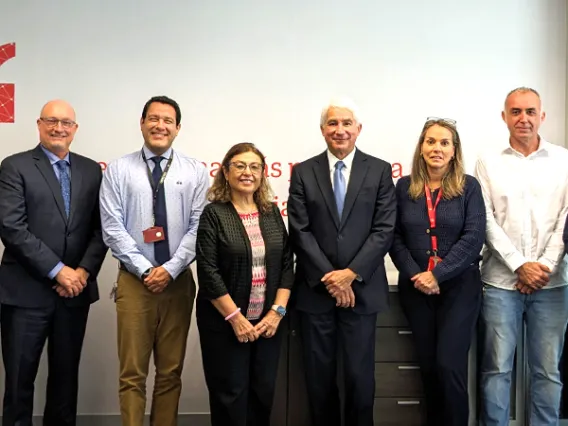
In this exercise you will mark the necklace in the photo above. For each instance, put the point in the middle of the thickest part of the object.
(247, 212)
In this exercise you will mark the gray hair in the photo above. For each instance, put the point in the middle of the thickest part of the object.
(342, 102)
(523, 89)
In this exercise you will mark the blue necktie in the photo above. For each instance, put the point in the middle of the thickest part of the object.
(65, 184)
(339, 186)
(161, 248)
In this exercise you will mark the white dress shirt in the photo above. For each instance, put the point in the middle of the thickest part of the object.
(346, 171)
(526, 199)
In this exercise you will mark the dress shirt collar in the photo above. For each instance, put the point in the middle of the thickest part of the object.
(348, 161)
(149, 154)
(543, 149)
(52, 157)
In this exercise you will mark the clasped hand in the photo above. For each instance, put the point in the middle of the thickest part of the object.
(246, 332)
(532, 276)
(338, 284)
(426, 282)
(70, 282)
(157, 280)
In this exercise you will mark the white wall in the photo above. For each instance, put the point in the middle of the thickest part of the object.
(260, 70)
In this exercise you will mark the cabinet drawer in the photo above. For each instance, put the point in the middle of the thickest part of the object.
(393, 379)
(394, 344)
(393, 317)
(399, 412)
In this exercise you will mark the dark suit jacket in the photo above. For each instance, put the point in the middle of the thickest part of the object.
(359, 240)
(37, 234)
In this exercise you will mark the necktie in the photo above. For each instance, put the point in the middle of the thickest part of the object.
(339, 186)
(65, 184)
(161, 248)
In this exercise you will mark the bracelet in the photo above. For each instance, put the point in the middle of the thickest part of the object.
(228, 317)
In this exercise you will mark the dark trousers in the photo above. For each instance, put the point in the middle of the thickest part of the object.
(442, 326)
(240, 377)
(24, 333)
(323, 336)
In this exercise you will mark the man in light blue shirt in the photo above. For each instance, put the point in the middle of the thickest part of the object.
(151, 201)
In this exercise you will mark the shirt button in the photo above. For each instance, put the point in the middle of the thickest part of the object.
(428, 252)
(427, 231)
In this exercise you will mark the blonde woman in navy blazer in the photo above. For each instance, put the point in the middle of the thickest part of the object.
(439, 234)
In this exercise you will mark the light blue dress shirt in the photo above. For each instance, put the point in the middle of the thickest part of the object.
(52, 160)
(126, 209)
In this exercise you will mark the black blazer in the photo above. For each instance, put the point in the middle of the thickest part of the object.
(37, 234)
(359, 240)
(224, 256)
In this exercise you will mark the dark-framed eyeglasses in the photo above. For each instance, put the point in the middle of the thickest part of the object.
(449, 121)
(240, 166)
(53, 122)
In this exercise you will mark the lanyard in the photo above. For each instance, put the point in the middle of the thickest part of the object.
(432, 215)
(160, 182)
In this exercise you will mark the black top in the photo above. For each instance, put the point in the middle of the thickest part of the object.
(460, 229)
(224, 256)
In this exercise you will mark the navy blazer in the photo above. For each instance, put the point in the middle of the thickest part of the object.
(37, 234)
(565, 236)
(359, 240)
(460, 230)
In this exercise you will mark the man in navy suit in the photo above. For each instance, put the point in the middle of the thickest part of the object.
(51, 231)
(341, 213)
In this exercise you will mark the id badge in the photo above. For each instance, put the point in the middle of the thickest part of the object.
(433, 261)
(154, 234)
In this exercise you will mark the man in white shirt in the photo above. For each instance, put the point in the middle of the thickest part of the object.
(524, 270)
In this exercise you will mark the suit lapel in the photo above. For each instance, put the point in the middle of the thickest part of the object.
(76, 181)
(46, 169)
(356, 177)
(322, 173)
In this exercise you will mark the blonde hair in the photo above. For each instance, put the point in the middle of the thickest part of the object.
(454, 180)
(221, 190)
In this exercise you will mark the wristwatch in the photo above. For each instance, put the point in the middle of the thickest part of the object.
(280, 310)
(146, 273)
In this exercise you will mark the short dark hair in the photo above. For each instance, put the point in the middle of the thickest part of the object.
(162, 100)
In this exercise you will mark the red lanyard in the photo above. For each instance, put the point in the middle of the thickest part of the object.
(432, 215)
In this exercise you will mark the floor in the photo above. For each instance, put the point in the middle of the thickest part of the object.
(113, 420)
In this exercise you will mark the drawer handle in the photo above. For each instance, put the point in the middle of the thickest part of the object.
(403, 332)
(408, 367)
(408, 402)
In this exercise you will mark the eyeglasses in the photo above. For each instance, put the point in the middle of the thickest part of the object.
(53, 122)
(449, 121)
(255, 168)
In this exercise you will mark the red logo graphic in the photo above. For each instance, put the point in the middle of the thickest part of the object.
(7, 91)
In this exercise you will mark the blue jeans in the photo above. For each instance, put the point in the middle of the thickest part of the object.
(546, 315)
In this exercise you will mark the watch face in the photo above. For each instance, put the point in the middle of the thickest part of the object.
(281, 310)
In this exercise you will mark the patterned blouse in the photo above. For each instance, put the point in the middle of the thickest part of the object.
(258, 288)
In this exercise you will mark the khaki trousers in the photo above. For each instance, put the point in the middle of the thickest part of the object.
(152, 322)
